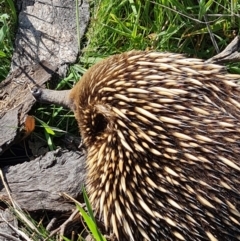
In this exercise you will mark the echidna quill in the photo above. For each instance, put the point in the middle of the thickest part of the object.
(162, 134)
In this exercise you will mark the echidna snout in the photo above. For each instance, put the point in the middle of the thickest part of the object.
(162, 134)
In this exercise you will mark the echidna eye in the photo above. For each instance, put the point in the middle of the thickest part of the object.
(100, 124)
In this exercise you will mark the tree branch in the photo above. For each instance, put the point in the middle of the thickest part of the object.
(229, 54)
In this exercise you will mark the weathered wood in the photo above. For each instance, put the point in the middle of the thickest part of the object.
(36, 185)
(6, 232)
(47, 31)
(230, 54)
(16, 100)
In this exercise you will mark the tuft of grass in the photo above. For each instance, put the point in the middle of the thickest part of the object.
(53, 122)
(186, 26)
(90, 219)
(8, 20)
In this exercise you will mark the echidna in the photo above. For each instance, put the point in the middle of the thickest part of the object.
(162, 134)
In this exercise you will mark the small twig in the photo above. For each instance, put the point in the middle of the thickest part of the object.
(19, 232)
(229, 54)
(211, 34)
(9, 237)
(14, 204)
(63, 226)
(180, 13)
(51, 224)
(74, 200)
(69, 220)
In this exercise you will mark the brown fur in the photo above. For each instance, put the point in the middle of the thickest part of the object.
(162, 134)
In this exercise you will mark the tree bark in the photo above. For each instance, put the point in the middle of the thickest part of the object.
(46, 43)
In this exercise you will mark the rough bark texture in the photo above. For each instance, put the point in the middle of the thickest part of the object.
(6, 232)
(37, 184)
(230, 54)
(16, 100)
(47, 31)
(46, 41)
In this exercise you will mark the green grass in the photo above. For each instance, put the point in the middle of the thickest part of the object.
(163, 25)
(90, 219)
(8, 20)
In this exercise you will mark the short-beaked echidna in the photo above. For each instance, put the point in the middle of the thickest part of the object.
(162, 134)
